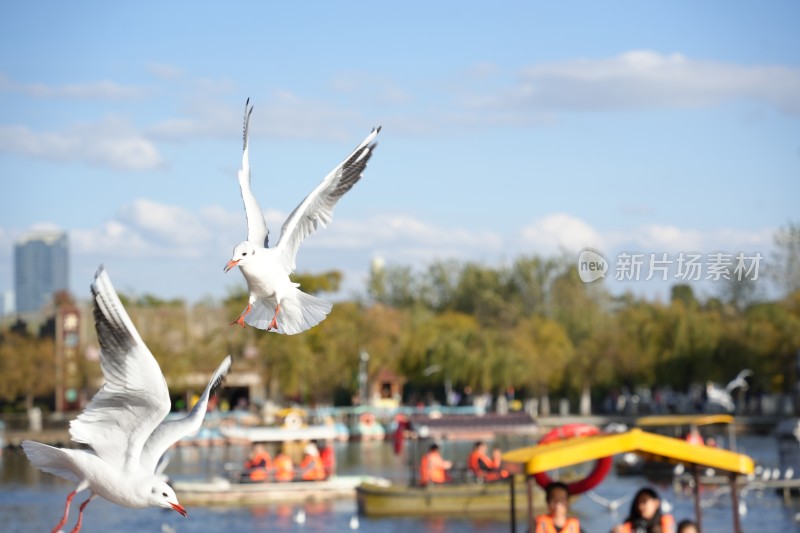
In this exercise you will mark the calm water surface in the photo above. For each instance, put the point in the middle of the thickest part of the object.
(31, 501)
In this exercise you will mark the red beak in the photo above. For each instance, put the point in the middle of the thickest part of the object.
(231, 264)
(178, 507)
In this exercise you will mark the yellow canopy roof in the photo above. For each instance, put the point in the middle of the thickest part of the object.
(684, 420)
(583, 449)
(286, 411)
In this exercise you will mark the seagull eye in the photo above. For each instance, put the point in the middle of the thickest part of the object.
(244, 253)
(164, 494)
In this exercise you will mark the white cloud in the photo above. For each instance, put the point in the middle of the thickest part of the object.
(98, 90)
(194, 244)
(282, 115)
(165, 224)
(560, 231)
(111, 142)
(166, 72)
(659, 238)
(643, 79)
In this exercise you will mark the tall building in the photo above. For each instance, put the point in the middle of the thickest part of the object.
(41, 268)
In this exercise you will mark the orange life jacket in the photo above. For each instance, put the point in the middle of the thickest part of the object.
(695, 438)
(667, 525)
(431, 469)
(284, 469)
(258, 466)
(545, 524)
(311, 468)
(474, 464)
(328, 460)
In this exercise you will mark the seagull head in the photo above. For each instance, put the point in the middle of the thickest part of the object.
(162, 495)
(243, 252)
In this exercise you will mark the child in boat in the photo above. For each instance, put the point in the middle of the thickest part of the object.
(646, 515)
(556, 520)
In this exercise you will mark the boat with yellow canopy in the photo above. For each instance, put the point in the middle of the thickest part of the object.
(706, 428)
(561, 454)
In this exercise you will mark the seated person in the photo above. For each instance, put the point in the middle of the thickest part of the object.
(646, 515)
(311, 468)
(283, 466)
(258, 464)
(328, 456)
(432, 468)
(556, 519)
(484, 467)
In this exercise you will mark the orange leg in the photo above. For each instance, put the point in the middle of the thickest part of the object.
(274, 323)
(240, 320)
(80, 515)
(66, 512)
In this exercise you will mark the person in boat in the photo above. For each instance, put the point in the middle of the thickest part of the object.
(257, 465)
(556, 519)
(485, 468)
(433, 468)
(283, 466)
(646, 515)
(694, 436)
(687, 526)
(328, 456)
(311, 468)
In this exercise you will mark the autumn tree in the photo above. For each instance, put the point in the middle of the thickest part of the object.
(27, 367)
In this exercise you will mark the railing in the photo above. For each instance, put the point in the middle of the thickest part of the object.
(21, 422)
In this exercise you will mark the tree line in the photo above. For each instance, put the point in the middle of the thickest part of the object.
(531, 325)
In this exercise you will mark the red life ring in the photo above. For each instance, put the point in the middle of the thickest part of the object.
(601, 467)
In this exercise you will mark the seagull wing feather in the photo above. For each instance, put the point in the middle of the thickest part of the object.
(257, 231)
(171, 431)
(134, 398)
(317, 208)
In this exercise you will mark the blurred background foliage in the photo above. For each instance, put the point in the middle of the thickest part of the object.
(531, 325)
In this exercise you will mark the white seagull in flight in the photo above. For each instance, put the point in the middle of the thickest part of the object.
(275, 302)
(124, 423)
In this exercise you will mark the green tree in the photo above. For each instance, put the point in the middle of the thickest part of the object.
(27, 367)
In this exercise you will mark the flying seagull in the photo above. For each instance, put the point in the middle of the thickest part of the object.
(124, 423)
(275, 302)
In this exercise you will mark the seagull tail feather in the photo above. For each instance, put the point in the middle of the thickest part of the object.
(49, 459)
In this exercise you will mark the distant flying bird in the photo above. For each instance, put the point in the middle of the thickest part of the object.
(611, 505)
(124, 423)
(275, 302)
(722, 397)
(739, 381)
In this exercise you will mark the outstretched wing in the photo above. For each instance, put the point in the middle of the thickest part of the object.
(257, 231)
(317, 208)
(171, 431)
(134, 398)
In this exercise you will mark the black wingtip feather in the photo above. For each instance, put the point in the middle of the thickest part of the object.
(228, 361)
(248, 110)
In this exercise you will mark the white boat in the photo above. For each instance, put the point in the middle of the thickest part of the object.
(279, 433)
(222, 491)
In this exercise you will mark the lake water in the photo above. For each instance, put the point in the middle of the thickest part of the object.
(31, 501)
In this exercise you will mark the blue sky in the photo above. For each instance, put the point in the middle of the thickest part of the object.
(517, 129)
